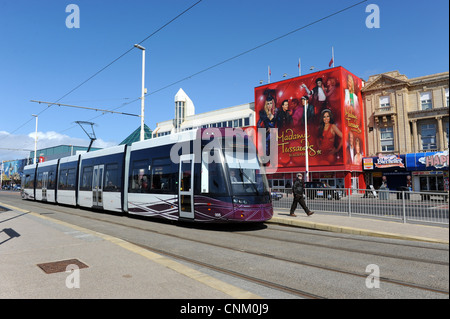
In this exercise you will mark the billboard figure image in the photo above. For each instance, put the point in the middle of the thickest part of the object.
(350, 147)
(357, 160)
(327, 137)
(284, 117)
(297, 113)
(267, 117)
(318, 93)
(310, 110)
(333, 97)
(351, 98)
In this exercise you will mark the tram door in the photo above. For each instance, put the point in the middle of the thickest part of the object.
(97, 186)
(186, 186)
(44, 185)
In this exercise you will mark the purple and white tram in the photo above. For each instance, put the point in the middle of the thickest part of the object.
(201, 175)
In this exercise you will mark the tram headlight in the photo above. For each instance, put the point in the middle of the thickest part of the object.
(240, 201)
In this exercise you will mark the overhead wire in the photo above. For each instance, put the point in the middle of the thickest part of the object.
(203, 70)
(235, 56)
(248, 51)
(109, 64)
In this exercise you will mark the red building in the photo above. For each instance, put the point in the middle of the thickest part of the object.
(329, 105)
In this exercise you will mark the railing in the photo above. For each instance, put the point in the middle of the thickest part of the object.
(405, 206)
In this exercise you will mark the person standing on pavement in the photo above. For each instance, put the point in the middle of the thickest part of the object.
(298, 189)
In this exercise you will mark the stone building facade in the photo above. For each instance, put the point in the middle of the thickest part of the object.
(407, 120)
(407, 115)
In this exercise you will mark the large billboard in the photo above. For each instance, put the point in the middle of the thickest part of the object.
(12, 169)
(329, 103)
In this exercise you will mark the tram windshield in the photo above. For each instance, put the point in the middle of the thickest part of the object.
(236, 157)
(246, 174)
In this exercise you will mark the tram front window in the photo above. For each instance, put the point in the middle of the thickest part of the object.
(246, 176)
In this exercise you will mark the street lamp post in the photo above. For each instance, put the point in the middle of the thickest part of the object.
(142, 90)
(35, 138)
(306, 143)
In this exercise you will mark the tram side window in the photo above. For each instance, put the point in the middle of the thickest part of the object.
(62, 179)
(51, 180)
(212, 176)
(71, 178)
(163, 176)
(112, 178)
(29, 181)
(39, 181)
(86, 179)
(67, 179)
(139, 179)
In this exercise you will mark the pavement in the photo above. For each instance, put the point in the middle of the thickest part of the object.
(88, 264)
(364, 226)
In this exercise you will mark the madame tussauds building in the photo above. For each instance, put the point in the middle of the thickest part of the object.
(317, 123)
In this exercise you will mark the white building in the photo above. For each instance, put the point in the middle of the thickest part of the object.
(185, 118)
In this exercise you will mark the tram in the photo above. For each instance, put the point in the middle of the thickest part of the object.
(201, 175)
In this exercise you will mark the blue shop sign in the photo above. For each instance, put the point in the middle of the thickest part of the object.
(429, 161)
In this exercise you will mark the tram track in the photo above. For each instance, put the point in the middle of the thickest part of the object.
(253, 279)
(235, 274)
(288, 229)
(358, 251)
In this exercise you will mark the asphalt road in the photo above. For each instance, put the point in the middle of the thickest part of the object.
(274, 261)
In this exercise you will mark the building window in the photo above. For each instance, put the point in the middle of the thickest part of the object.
(446, 97)
(387, 139)
(425, 101)
(428, 132)
(446, 132)
(385, 101)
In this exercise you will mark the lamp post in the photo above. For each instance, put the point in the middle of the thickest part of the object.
(305, 106)
(142, 90)
(35, 138)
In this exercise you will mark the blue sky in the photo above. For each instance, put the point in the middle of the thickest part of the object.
(42, 59)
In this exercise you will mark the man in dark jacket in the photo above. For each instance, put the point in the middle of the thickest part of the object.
(298, 189)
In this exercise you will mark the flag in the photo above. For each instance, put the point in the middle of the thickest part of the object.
(331, 62)
(269, 73)
(332, 58)
(299, 67)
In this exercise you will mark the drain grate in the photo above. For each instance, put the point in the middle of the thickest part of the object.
(4, 209)
(60, 266)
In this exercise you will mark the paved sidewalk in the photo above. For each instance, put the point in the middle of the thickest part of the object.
(363, 226)
(115, 268)
(118, 269)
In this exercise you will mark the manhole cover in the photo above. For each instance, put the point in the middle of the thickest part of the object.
(60, 266)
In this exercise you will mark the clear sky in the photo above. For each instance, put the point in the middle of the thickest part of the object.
(42, 59)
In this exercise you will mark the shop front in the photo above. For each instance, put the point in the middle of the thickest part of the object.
(429, 171)
(390, 167)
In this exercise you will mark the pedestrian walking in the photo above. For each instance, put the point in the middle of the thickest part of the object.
(298, 188)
